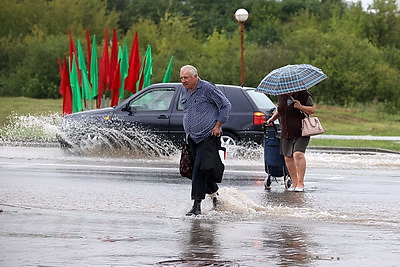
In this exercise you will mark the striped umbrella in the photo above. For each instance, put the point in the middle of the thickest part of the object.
(291, 78)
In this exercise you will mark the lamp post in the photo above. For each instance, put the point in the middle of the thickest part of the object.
(241, 16)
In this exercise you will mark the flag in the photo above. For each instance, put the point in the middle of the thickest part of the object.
(148, 68)
(139, 84)
(89, 53)
(104, 67)
(134, 66)
(76, 90)
(86, 94)
(167, 76)
(60, 66)
(114, 55)
(65, 89)
(72, 51)
(115, 86)
(94, 73)
(124, 68)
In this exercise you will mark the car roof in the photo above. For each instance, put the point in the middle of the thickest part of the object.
(219, 85)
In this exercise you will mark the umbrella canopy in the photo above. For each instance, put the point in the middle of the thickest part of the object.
(291, 78)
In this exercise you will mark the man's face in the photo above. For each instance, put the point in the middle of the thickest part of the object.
(188, 81)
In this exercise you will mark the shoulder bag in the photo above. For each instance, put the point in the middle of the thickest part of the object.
(311, 126)
(186, 161)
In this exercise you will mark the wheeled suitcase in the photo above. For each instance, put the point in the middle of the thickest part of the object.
(274, 162)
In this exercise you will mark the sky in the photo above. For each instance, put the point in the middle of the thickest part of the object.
(365, 3)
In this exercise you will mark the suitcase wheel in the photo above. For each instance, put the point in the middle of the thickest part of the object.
(267, 183)
(288, 182)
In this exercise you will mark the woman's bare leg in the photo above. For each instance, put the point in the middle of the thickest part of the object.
(291, 166)
(300, 163)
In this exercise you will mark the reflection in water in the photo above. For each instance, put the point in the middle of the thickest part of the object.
(200, 242)
(292, 246)
(290, 241)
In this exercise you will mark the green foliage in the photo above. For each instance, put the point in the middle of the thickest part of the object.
(383, 24)
(364, 144)
(219, 60)
(171, 37)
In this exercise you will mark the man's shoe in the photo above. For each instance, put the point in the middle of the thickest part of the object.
(299, 189)
(196, 210)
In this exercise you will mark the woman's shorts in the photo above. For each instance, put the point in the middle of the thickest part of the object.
(288, 146)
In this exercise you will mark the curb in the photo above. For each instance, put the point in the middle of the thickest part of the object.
(348, 150)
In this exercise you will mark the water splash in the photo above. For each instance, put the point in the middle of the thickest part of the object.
(234, 204)
(118, 139)
(234, 201)
(95, 139)
(30, 128)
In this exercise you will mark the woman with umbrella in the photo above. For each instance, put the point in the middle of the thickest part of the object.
(291, 83)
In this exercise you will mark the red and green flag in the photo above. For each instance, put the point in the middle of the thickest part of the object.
(115, 86)
(94, 69)
(114, 56)
(86, 92)
(65, 88)
(104, 71)
(134, 67)
(124, 65)
(167, 75)
(148, 68)
(72, 52)
(89, 52)
(75, 88)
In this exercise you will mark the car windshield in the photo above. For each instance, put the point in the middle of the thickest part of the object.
(262, 101)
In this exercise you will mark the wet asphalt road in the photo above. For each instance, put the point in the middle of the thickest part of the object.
(65, 210)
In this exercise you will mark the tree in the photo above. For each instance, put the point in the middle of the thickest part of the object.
(383, 24)
(171, 37)
(219, 60)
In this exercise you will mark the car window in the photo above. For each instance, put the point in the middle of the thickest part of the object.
(158, 99)
(262, 100)
(180, 105)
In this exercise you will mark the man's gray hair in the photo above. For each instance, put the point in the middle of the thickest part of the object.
(192, 70)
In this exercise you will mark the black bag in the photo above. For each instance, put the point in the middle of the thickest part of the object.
(186, 162)
(212, 165)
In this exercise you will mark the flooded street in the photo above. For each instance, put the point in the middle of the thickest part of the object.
(61, 209)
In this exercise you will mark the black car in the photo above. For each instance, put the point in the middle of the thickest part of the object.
(157, 110)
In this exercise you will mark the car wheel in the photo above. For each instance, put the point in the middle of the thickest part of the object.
(229, 142)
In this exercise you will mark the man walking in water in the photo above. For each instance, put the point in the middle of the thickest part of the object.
(205, 109)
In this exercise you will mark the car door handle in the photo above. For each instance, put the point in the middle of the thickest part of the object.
(163, 117)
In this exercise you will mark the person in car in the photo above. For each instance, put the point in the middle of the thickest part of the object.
(205, 109)
(293, 145)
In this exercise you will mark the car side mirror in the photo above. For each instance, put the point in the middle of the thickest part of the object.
(129, 109)
(126, 108)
